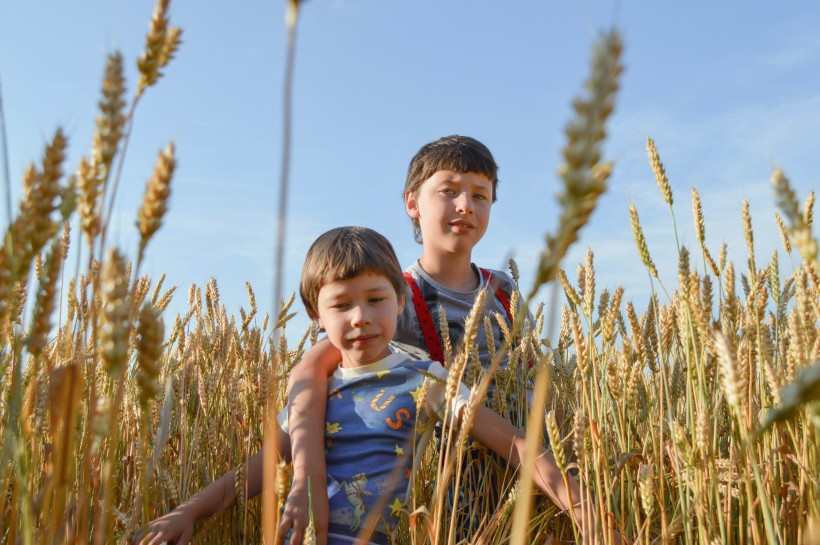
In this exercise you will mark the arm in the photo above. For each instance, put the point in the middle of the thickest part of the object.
(506, 440)
(307, 400)
(178, 525)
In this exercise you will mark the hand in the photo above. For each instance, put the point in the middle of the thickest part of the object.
(296, 514)
(176, 527)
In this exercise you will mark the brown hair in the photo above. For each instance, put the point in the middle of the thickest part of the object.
(456, 153)
(344, 253)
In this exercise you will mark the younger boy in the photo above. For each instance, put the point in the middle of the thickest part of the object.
(353, 287)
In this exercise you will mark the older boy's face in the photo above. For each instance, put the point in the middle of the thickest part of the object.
(359, 316)
(453, 210)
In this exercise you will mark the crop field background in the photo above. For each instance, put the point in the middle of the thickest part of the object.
(688, 408)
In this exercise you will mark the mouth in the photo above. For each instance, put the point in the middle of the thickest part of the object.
(461, 226)
(363, 339)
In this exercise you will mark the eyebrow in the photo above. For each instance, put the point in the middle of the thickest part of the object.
(372, 290)
(368, 290)
(450, 181)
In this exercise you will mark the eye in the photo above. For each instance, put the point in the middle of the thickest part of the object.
(480, 196)
(339, 306)
(447, 191)
(375, 300)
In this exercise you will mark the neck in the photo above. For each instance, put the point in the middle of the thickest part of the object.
(453, 271)
(350, 362)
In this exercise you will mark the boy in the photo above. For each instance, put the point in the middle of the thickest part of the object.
(448, 195)
(353, 287)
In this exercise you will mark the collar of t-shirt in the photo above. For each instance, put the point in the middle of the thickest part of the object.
(394, 359)
(468, 296)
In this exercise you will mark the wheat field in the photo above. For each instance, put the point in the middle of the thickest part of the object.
(692, 418)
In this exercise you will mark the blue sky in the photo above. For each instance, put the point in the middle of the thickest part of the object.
(727, 90)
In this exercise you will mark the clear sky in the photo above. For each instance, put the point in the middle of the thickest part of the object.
(728, 90)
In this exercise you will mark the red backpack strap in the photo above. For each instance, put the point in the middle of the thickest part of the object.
(502, 297)
(426, 323)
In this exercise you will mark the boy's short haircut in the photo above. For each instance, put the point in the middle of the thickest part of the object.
(344, 253)
(457, 153)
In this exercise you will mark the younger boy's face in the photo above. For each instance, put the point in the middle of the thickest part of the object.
(453, 209)
(359, 316)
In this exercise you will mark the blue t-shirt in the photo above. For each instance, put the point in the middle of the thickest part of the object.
(370, 423)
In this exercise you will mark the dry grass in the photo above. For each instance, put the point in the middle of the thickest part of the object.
(111, 414)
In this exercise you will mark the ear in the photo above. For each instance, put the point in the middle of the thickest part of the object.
(400, 300)
(319, 324)
(411, 204)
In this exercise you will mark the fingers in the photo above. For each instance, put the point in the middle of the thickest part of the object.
(157, 533)
(282, 533)
(161, 538)
(292, 526)
(184, 538)
(154, 539)
(295, 517)
(296, 536)
(144, 536)
(157, 540)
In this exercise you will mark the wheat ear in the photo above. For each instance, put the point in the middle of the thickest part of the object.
(640, 241)
(155, 200)
(114, 334)
(799, 230)
(150, 335)
(93, 173)
(659, 170)
(46, 300)
(734, 387)
(161, 44)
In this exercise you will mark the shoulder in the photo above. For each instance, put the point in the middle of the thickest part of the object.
(414, 353)
(437, 398)
(414, 279)
(413, 268)
(414, 274)
(499, 279)
(436, 369)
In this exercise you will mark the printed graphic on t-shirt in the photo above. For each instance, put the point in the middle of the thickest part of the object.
(370, 418)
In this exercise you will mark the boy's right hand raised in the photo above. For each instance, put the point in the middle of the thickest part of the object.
(176, 527)
(296, 514)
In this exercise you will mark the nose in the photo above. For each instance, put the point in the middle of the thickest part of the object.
(464, 204)
(359, 316)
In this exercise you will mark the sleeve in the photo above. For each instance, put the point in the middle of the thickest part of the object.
(406, 324)
(282, 419)
(434, 403)
(508, 285)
